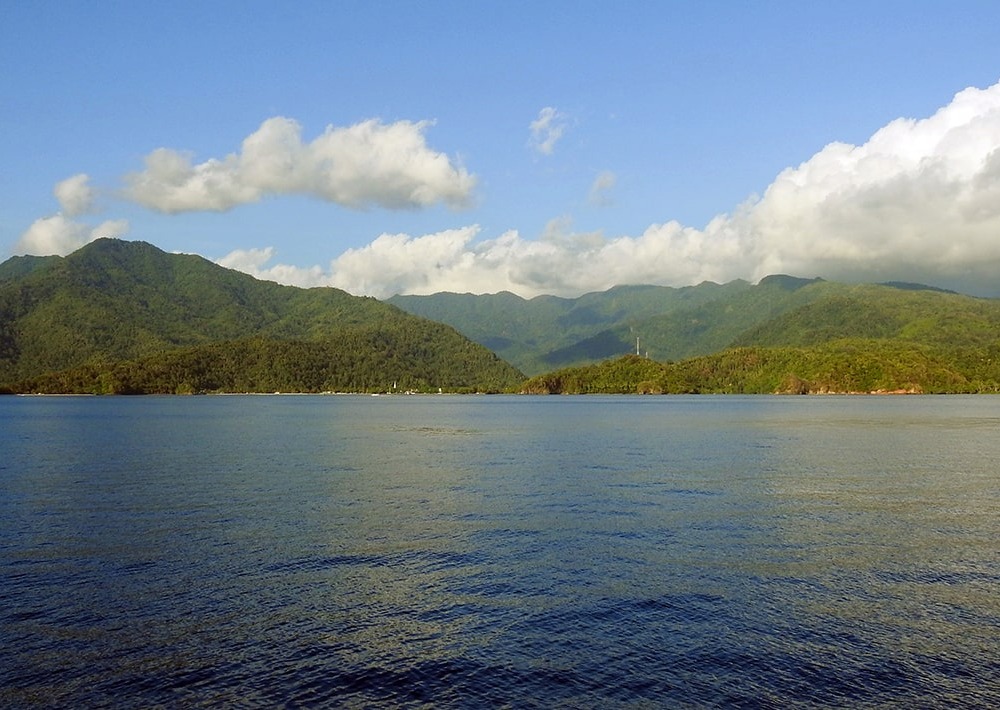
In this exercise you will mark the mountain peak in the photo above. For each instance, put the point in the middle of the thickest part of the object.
(115, 300)
(786, 282)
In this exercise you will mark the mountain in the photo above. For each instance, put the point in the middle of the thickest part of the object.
(820, 338)
(935, 318)
(126, 317)
(544, 332)
(782, 334)
(700, 326)
(115, 302)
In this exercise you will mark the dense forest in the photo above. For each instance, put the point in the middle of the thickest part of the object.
(544, 334)
(126, 317)
(539, 334)
(360, 360)
(849, 366)
(784, 334)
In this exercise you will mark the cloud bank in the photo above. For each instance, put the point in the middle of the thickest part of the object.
(366, 164)
(919, 201)
(252, 261)
(919, 197)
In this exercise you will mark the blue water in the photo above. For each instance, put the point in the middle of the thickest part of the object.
(500, 551)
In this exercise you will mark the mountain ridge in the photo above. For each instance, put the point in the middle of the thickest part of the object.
(669, 323)
(108, 317)
(114, 301)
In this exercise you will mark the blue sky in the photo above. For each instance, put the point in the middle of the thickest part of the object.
(545, 147)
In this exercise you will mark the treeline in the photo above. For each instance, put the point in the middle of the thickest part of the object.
(361, 359)
(843, 366)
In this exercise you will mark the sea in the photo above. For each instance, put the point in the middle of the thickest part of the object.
(500, 551)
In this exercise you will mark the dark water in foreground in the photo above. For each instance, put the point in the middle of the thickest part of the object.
(500, 551)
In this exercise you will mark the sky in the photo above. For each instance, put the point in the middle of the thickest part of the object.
(533, 147)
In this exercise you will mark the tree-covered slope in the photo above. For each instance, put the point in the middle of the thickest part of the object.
(544, 335)
(927, 317)
(18, 266)
(117, 301)
(358, 359)
(841, 366)
(546, 331)
(813, 337)
(698, 328)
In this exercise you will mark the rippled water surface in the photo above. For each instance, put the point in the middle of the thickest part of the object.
(500, 551)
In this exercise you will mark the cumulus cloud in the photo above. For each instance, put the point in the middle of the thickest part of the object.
(547, 129)
(600, 189)
(562, 262)
(366, 164)
(254, 261)
(75, 195)
(920, 197)
(919, 201)
(452, 260)
(60, 236)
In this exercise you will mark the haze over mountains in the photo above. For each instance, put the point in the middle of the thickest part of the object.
(127, 317)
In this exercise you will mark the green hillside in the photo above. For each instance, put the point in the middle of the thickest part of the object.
(680, 324)
(546, 331)
(114, 301)
(360, 359)
(928, 317)
(823, 337)
(705, 326)
(127, 317)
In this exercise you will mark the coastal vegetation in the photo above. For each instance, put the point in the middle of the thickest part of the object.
(848, 366)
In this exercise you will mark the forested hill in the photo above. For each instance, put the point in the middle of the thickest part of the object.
(831, 338)
(126, 316)
(544, 334)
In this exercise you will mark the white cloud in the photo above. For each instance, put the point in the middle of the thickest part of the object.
(547, 129)
(113, 228)
(75, 195)
(59, 235)
(561, 263)
(920, 197)
(368, 163)
(919, 201)
(252, 261)
(599, 195)
(399, 263)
